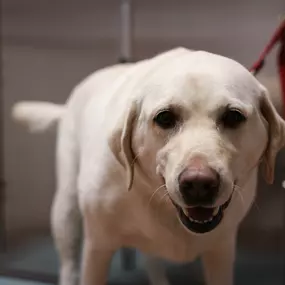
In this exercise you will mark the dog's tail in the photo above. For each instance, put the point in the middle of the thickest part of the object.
(37, 116)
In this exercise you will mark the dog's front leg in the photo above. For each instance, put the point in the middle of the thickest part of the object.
(97, 251)
(219, 262)
(95, 264)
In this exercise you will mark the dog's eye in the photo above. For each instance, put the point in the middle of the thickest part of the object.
(232, 118)
(166, 119)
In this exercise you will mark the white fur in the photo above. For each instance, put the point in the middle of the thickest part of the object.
(37, 116)
(111, 112)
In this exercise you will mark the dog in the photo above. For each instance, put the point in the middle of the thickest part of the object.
(161, 155)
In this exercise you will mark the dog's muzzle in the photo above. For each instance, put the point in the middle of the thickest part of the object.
(199, 186)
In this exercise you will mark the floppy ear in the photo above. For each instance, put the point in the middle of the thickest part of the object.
(120, 142)
(276, 134)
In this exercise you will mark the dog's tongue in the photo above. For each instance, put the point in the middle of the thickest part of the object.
(200, 213)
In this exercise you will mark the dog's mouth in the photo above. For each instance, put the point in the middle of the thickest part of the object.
(201, 219)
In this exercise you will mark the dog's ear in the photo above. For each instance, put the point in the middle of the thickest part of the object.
(276, 134)
(120, 142)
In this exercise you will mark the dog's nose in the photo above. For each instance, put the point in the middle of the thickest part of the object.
(199, 185)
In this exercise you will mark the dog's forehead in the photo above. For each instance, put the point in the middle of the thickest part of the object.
(200, 79)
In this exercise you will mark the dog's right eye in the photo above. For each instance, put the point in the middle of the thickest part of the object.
(166, 119)
(233, 118)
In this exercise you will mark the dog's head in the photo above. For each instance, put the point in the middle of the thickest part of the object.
(198, 125)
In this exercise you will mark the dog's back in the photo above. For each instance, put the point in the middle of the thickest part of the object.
(40, 116)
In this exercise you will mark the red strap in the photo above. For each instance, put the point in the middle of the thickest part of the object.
(279, 36)
(276, 37)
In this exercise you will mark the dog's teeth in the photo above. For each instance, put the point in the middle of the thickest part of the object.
(200, 222)
(195, 221)
(209, 220)
(216, 211)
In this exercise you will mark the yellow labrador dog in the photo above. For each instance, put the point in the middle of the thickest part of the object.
(161, 155)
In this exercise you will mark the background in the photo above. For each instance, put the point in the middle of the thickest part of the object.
(49, 46)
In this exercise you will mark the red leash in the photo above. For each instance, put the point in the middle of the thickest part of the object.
(278, 37)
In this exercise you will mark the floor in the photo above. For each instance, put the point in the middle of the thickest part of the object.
(251, 267)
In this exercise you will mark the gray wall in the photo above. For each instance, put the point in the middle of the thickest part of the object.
(49, 46)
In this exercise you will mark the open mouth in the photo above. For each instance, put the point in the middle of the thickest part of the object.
(201, 219)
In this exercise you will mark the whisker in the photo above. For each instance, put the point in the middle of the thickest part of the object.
(163, 197)
(155, 192)
(239, 192)
(257, 206)
(238, 188)
(135, 158)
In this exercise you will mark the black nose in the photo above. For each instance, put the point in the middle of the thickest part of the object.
(199, 186)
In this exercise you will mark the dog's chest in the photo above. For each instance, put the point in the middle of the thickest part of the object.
(171, 247)
(160, 234)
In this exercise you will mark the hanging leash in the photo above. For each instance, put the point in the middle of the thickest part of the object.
(278, 38)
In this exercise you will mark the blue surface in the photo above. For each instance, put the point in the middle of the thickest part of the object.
(10, 281)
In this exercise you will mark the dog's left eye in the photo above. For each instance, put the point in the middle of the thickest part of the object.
(166, 119)
(232, 118)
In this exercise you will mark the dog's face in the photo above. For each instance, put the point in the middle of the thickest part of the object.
(203, 126)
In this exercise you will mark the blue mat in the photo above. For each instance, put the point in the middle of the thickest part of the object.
(10, 281)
